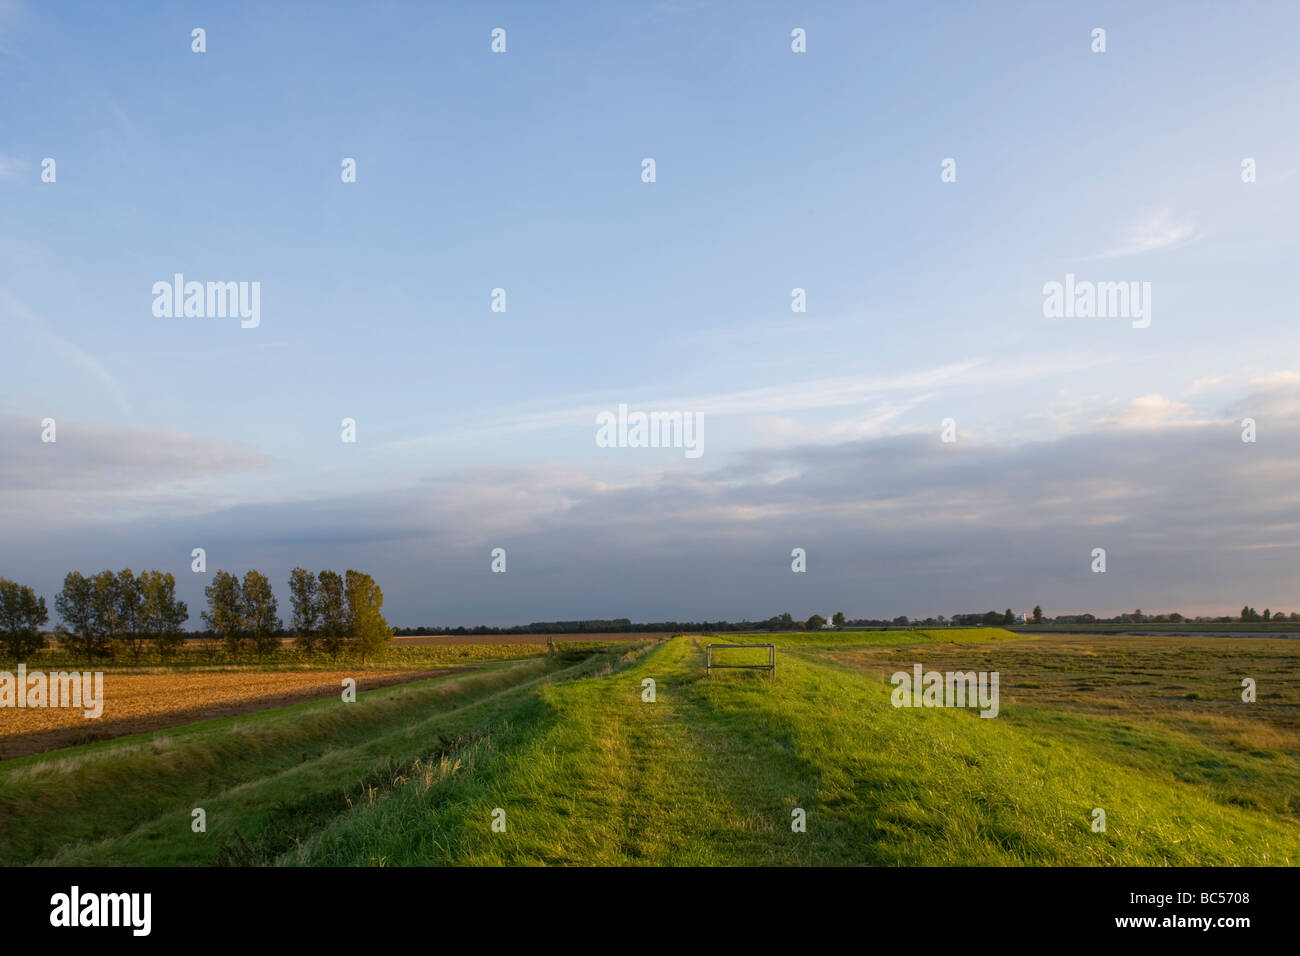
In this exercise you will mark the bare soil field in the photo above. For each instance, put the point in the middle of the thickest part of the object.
(156, 701)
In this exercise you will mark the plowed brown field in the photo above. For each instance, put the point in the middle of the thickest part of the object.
(153, 701)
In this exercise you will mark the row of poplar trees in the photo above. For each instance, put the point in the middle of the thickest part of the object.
(114, 611)
(331, 611)
(100, 612)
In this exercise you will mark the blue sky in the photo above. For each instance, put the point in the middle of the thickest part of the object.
(775, 170)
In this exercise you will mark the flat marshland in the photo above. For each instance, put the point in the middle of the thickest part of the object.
(564, 749)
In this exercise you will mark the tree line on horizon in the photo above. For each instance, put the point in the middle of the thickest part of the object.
(114, 612)
(623, 625)
(786, 622)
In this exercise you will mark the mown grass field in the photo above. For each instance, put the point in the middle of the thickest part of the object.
(1152, 730)
(1168, 627)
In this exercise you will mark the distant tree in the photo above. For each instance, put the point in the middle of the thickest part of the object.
(816, 622)
(838, 618)
(332, 602)
(303, 588)
(369, 631)
(262, 621)
(130, 597)
(162, 617)
(1038, 614)
(901, 620)
(22, 614)
(1008, 617)
(1175, 617)
(106, 604)
(225, 613)
(1268, 615)
(75, 605)
(993, 617)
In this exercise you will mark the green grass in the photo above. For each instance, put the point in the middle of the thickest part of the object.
(589, 773)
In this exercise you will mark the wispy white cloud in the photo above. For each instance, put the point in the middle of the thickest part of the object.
(12, 12)
(881, 395)
(64, 352)
(94, 472)
(874, 422)
(1206, 383)
(1160, 230)
(11, 167)
(1283, 378)
(1155, 411)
